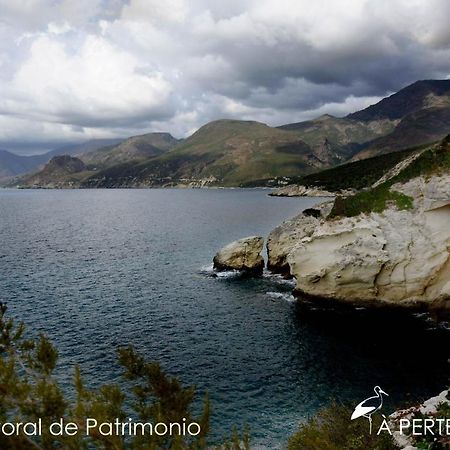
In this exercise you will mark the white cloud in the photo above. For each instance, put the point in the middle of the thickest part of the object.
(96, 83)
(155, 11)
(59, 28)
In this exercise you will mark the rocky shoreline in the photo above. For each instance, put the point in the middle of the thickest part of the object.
(396, 257)
(298, 190)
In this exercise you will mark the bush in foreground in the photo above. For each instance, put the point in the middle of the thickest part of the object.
(29, 392)
(332, 429)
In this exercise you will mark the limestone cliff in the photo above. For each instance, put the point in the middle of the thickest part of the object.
(396, 256)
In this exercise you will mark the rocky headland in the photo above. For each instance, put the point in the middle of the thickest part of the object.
(398, 257)
(388, 245)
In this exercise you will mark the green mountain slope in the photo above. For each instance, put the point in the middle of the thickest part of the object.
(224, 152)
(134, 148)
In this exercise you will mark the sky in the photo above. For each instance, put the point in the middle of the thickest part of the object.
(73, 70)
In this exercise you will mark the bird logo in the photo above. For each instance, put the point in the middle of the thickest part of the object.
(369, 406)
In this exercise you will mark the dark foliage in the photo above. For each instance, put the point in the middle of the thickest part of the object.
(29, 392)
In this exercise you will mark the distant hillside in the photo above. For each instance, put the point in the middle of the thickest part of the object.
(12, 165)
(420, 127)
(67, 171)
(421, 113)
(60, 171)
(419, 95)
(344, 136)
(415, 115)
(355, 175)
(224, 152)
(132, 149)
(246, 153)
(84, 147)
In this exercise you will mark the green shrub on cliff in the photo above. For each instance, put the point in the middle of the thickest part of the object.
(29, 392)
(373, 200)
(433, 161)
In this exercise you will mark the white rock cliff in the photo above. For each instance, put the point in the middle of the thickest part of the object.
(395, 257)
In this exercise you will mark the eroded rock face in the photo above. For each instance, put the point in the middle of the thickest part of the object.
(243, 254)
(396, 257)
(283, 238)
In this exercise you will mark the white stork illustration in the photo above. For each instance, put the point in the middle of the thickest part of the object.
(370, 405)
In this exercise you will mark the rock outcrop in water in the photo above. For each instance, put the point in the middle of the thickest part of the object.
(243, 254)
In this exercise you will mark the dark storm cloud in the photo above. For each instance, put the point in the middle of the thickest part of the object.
(78, 70)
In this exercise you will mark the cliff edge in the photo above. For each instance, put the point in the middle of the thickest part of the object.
(387, 245)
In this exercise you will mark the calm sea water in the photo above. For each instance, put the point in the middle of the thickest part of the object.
(97, 269)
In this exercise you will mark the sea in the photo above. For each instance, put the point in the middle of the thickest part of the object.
(99, 269)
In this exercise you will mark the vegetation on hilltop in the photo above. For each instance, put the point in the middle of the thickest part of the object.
(227, 152)
(355, 175)
(373, 200)
(434, 161)
(141, 147)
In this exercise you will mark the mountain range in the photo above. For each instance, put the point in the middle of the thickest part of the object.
(245, 153)
(12, 165)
